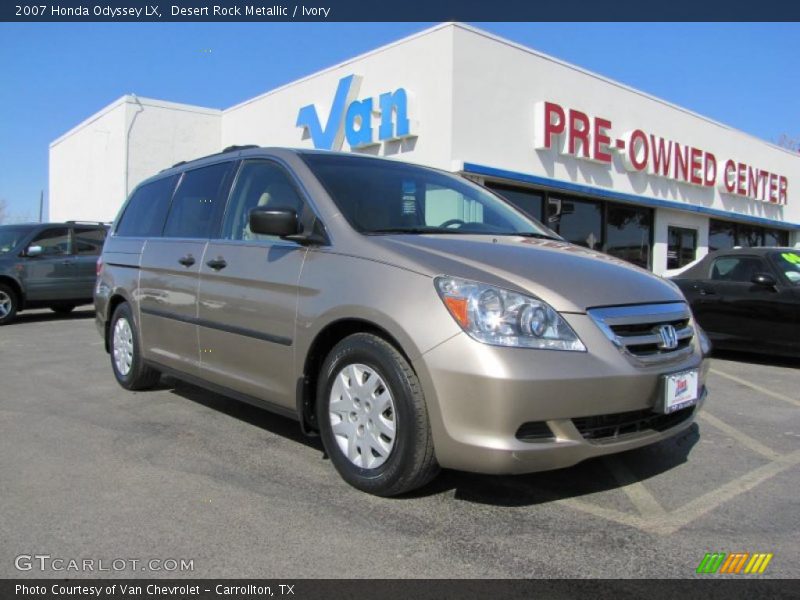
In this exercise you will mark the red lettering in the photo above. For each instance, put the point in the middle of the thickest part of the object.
(552, 127)
(694, 173)
(730, 177)
(601, 150)
(681, 162)
(741, 175)
(753, 181)
(773, 188)
(638, 150)
(783, 190)
(576, 133)
(661, 158)
(710, 170)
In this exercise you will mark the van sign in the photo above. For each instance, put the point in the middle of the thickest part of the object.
(352, 119)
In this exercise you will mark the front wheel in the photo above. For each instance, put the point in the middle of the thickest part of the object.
(8, 304)
(373, 417)
(126, 355)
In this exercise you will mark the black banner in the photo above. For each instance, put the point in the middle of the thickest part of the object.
(710, 588)
(407, 10)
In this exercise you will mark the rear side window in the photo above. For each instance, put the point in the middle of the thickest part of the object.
(198, 202)
(737, 268)
(88, 241)
(53, 242)
(147, 209)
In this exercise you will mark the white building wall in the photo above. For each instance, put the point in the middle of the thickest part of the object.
(94, 166)
(421, 64)
(87, 168)
(164, 133)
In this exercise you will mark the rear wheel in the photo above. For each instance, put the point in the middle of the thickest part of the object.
(373, 418)
(8, 304)
(126, 356)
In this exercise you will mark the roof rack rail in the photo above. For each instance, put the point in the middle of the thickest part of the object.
(86, 223)
(234, 148)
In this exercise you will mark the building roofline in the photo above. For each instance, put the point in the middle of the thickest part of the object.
(134, 99)
(369, 53)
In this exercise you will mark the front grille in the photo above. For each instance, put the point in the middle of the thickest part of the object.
(535, 431)
(603, 427)
(637, 330)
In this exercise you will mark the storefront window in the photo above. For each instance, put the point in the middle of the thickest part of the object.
(578, 221)
(628, 233)
(681, 246)
(528, 201)
(721, 235)
(776, 237)
(749, 236)
(726, 234)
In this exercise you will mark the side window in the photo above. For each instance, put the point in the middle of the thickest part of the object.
(260, 184)
(198, 202)
(737, 268)
(443, 205)
(144, 216)
(54, 242)
(88, 241)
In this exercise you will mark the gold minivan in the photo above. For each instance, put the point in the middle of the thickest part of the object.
(412, 319)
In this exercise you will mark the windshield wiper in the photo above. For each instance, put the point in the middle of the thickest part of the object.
(414, 230)
(530, 234)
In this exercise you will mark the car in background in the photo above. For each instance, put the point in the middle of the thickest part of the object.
(48, 265)
(747, 298)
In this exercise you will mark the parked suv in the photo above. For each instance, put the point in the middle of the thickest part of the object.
(51, 265)
(411, 318)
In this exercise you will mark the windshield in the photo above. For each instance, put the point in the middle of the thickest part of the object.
(789, 264)
(10, 237)
(380, 196)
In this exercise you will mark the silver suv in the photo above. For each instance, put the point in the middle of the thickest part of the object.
(409, 317)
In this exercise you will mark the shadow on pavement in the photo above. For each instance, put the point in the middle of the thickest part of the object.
(589, 477)
(770, 360)
(42, 316)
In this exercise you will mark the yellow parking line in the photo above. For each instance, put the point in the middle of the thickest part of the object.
(757, 388)
(744, 439)
(638, 494)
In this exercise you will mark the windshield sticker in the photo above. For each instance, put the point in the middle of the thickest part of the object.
(791, 257)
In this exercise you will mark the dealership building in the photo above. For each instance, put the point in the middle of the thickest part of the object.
(604, 165)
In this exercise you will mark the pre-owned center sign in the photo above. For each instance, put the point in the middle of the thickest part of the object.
(590, 137)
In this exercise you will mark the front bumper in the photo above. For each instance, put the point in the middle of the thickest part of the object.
(479, 396)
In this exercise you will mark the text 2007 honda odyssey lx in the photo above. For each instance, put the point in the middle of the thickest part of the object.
(412, 318)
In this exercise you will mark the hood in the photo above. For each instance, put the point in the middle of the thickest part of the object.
(570, 278)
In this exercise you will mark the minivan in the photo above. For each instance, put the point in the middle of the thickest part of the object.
(409, 317)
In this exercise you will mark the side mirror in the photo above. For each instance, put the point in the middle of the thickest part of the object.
(764, 279)
(33, 251)
(274, 221)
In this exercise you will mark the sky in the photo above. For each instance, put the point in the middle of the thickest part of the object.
(55, 75)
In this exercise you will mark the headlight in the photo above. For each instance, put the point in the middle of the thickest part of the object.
(503, 318)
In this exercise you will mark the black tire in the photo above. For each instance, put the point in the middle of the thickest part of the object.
(63, 309)
(139, 376)
(10, 304)
(411, 463)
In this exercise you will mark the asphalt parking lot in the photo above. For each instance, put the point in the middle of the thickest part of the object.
(88, 470)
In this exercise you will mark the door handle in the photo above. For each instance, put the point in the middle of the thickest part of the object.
(187, 261)
(217, 263)
(707, 292)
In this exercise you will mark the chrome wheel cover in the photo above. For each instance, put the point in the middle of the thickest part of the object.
(122, 346)
(362, 416)
(5, 305)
